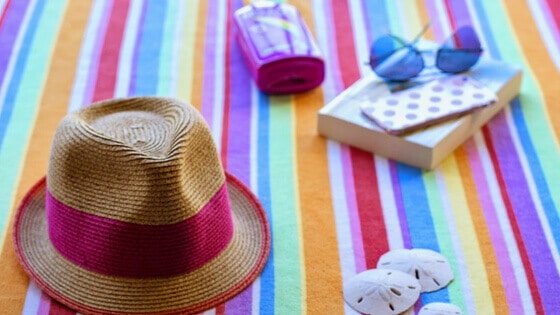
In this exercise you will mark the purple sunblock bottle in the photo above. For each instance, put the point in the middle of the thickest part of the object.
(278, 48)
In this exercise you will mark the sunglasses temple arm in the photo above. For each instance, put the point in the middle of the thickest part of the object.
(422, 32)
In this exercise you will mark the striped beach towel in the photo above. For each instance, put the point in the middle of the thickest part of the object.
(492, 207)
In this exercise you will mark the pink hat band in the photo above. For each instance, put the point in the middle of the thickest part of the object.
(125, 249)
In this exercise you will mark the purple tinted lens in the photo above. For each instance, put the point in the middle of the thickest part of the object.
(460, 51)
(391, 60)
(455, 61)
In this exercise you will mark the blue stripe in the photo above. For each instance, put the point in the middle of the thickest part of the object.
(145, 80)
(19, 70)
(264, 195)
(8, 34)
(377, 18)
(419, 218)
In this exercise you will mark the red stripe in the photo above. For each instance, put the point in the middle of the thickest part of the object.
(220, 309)
(554, 6)
(372, 222)
(368, 201)
(109, 60)
(126, 249)
(345, 42)
(514, 225)
(227, 89)
(449, 11)
(58, 309)
(4, 13)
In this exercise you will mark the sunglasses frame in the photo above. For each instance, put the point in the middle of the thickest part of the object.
(411, 47)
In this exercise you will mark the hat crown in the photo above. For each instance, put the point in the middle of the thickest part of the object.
(135, 189)
(145, 161)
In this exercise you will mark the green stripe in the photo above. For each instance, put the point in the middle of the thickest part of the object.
(287, 266)
(441, 227)
(167, 49)
(26, 104)
(532, 102)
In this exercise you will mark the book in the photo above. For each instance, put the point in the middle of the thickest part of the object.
(342, 119)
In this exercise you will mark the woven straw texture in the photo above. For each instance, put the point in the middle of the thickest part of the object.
(98, 166)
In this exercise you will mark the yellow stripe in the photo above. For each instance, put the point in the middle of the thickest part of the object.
(198, 57)
(53, 106)
(467, 233)
(188, 51)
(482, 233)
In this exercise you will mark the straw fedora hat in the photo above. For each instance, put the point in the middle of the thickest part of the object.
(136, 214)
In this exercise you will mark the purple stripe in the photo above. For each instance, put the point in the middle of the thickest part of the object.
(8, 33)
(539, 252)
(507, 274)
(405, 231)
(239, 133)
(125, 249)
(239, 138)
(210, 55)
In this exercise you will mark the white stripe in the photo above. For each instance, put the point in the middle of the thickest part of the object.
(32, 299)
(2, 4)
(15, 52)
(343, 230)
(256, 298)
(219, 74)
(388, 204)
(77, 98)
(330, 87)
(548, 33)
(466, 286)
(127, 49)
(254, 140)
(505, 225)
(442, 19)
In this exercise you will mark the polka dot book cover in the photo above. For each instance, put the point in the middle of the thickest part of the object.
(423, 124)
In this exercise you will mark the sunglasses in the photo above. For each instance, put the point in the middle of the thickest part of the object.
(394, 59)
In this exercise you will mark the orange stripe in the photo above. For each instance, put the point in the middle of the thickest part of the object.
(536, 55)
(53, 106)
(322, 262)
(424, 17)
(479, 223)
(198, 64)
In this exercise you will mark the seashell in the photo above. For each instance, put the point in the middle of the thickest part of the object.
(381, 292)
(430, 268)
(438, 308)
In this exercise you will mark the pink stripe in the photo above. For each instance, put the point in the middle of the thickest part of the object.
(506, 269)
(125, 249)
(44, 304)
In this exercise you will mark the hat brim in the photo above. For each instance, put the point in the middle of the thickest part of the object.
(93, 293)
